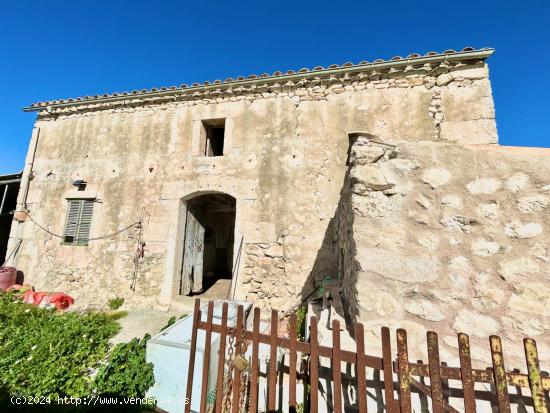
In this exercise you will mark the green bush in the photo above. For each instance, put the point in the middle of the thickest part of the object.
(48, 353)
(126, 373)
(116, 303)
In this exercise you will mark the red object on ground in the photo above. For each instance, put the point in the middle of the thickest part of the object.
(31, 297)
(8, 275)
(42, 299)
(38, 297)
(61, 300)
(28, 297)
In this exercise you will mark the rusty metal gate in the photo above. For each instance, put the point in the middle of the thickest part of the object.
(237, 382)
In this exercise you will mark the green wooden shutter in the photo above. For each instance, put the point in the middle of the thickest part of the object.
(79, 221)
(85, 223)
(71, 225)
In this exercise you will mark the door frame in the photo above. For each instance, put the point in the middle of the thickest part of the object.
(176, 242)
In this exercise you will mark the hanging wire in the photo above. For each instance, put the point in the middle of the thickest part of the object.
(44, 229)
(140, 247)
(120, 231)
(90, 239)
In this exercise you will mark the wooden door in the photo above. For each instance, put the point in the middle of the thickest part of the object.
(193, 250)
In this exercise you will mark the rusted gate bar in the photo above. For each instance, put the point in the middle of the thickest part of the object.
(416, 369)
(221, 361)
(239, 338)
(292, 364)
(206, 356)
(391, 403)
(192, 351)
(466, 373)
(435, 372)
(272, 374)
(533, 370)
(403, 372)
(499, 375)
(360, 368)
(254, 368)
(314, 366)
(336, 367)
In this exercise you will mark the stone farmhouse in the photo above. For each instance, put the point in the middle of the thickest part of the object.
(384, 178)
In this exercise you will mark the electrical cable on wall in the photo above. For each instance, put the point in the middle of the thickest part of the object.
(89, 239)
(140, 245)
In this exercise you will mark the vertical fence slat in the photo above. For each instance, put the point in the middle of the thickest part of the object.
(336, 367)
(403, 371)
(192, 350)
(360, 367)
(535, 379)
(314, 366)
(272, 374)
(221, 360)
(435, 372)
(466, 373)
(402, 405)
(293, 331)
(499, 375)
(235, 400)
(387, 364)
(255, 361)
(206, 356)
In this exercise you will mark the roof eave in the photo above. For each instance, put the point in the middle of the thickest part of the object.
(468, 55)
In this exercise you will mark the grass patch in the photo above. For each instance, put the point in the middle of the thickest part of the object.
(116, 303)
(51, 354)
(47, 353)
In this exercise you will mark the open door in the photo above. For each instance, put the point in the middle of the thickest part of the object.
(208, 245)
(193, 252)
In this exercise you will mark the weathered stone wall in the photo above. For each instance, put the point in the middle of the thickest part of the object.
(450, 238)
(284, 162)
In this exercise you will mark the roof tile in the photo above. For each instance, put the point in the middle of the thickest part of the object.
(412, 56)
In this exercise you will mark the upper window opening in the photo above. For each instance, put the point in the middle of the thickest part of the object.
(79, 221)
(213, 137)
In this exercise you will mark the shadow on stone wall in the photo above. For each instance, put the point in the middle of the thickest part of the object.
(326, 261)
(335, 263)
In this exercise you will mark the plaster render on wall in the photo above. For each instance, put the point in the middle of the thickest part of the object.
(284, 161)
(458, 252)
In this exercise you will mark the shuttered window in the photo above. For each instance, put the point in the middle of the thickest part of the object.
(79, 221)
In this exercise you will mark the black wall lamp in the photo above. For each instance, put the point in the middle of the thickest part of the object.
(80, 184)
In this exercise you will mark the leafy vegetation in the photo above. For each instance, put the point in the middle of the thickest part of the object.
(116, 303)
(47, 353)
(172, 321)
(301, 323)
(126, 373)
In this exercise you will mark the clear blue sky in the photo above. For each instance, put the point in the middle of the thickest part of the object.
(62, 49)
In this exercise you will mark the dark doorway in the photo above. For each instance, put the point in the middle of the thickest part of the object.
(208, 243)
(9, 188)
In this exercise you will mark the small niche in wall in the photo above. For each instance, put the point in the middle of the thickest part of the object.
(212, 137)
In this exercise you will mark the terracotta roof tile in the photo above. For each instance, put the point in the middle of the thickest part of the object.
(229, 80)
